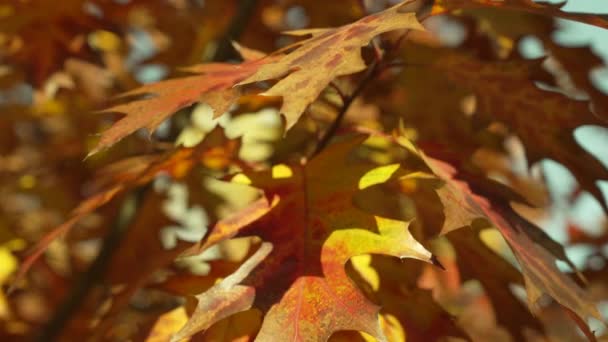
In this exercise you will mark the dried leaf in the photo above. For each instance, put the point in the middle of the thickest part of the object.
(496, 277)
(167, 324)
(302, 285)
(328, 54)
(544, 121)
(535, 251)
(526, 6)
(394, 285)
(213, 84)
(225, 298)
(538, 263)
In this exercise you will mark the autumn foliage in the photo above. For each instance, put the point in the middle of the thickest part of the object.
(297, 170)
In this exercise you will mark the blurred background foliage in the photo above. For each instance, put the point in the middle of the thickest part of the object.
(62, 60)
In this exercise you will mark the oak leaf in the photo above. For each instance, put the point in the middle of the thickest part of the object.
(144, 249)
(393, 284)
(457, 212)
(579, 63)
(329, 53)
(302, 286)
(213, 84)
(525, 6)
(304, 73)
(167, 324)
(224, 298)
(497, 276)
(544, 121)
(508, 27)
(534, 250)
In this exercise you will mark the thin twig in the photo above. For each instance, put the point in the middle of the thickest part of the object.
(378, 54)
(96, 271)
(372, 71)
(599, 15)
(403, 64)
(343, 96)
(223, 52)
(237, 26)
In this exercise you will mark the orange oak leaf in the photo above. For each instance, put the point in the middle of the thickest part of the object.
(534, 250)
(302, 286)
(240, 327)
(328, 54)
(529, 6)
(212, 84)
(459, 211)
(167, 324)
(224, 298)
(144, 253)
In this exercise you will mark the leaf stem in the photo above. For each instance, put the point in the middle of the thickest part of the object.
(371, 73)
(343, 96)
(403, 64)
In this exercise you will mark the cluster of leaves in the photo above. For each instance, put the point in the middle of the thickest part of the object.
(357, 183)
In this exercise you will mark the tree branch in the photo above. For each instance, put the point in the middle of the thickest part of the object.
(97, 270)
(238, 24)
(372, 71)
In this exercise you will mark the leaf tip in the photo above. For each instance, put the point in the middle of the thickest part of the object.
(90, 154)
(176, 338)
(436, 262)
